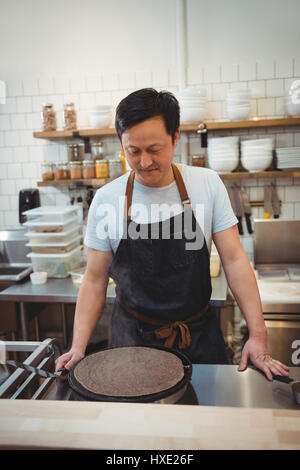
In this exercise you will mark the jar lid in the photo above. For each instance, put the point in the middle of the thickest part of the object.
(68, 104)
(91, 162)
(47, 105)
(114, 161)
(47, 164)
(62, 163)
(101, 161)
(75, 163)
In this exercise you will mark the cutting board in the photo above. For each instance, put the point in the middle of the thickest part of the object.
(88, 425)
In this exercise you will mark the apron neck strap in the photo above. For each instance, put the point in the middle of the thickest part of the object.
(180, 185)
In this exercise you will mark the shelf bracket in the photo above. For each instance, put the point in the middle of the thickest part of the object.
(86, 140)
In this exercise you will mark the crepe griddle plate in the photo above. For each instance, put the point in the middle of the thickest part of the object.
(84, 382)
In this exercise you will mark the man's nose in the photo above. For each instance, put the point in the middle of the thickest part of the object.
(145, 160)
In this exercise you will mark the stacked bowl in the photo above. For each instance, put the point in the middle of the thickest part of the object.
(100, 116)
(192, 102)
(292, 99)
(238, 104)
(257, 155)
(223, 153)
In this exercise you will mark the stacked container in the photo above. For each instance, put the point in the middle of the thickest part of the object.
(54, 237)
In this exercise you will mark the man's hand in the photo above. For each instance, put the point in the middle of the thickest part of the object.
(68, 360)
(257, 351)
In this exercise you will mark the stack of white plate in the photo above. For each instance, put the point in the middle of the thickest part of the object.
(238, 104)
(54, 238)
(256, 155)
(192, 102)
(288, 158)
(223, 153)
(100, 116)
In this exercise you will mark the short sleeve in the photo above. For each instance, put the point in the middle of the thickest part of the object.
(223, 215)
(97, 234)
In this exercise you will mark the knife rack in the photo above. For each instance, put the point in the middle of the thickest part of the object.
(260, 203)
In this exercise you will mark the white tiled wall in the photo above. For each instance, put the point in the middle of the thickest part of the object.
(21, 154)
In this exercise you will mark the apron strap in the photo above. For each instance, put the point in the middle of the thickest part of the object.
(180, 185)
(168, 330)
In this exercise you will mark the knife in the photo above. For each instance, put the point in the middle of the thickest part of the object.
(247, 209)
(239, 207)
(42, 373)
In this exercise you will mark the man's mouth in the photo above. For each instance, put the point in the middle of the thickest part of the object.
(148, 170)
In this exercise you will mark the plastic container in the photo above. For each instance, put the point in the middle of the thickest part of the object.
(56, 237)
(88, 170)
(47, 171)
(102, 169)
(44, 225)
(52, 247)
(53, 213)
(56, 265)
(75, 170)
(62, 171)
(69, 117)
(48, 118)
(38, 277)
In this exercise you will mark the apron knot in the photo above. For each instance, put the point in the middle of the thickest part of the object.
(171, 331)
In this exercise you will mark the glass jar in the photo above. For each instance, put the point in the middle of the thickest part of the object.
(75, 152)
(48, 118)
(115, 168)
(69, 117)
(62, 171)
(75, 170)
(97, 149)
(102, 169)
(88, 169)
(198, 160)
(47, 170)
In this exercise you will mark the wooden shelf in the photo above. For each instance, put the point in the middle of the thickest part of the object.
(260, 174)
(97, 182)
(77, 183)
(110, 131)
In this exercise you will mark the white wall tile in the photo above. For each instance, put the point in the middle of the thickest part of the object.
(26, 137)
(21, 184)
(292, 194)
(284, 67)
(14, 88)
(213, 110)
(14, 171)
(274, 87)
(126, 80)
(211, 73)
(94, 83)
(4, 203)
(33, 121)
(287, 210)
(110, 81)
(11, 138)
(6, 154)
(297, 139)
(103, 97)
(31, 86)
(284, 140)
(3, 171)
(78, 85)
(1, 138)
(219, 91)
(266, 107)
(194, 75)
(229, 72)
(24, 104)
(86, 100)
(160, 78)
(297, 67)
(62, 85)
(20, 154)
(36, 154)
(258, 88)
(279, 106)
(37, 103)
(297, 210)
(143, 79)
(30, 170)
(5, 122)
(11, 218)
(265, 69)
(9, 107)
(173, 78)
(46, 85)
(247, 71)
(7, 187)
(18, 121)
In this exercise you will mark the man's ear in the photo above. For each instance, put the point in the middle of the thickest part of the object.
(176, 137)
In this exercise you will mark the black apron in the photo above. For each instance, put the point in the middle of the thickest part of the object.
(163, 289)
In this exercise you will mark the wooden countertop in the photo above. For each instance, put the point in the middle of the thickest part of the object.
(89, 425)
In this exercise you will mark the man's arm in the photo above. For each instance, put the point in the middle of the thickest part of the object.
(242, 282)
(89, 306)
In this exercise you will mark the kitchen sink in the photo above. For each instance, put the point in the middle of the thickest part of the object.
(14, 271)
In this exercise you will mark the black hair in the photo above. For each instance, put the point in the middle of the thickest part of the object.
(144, 104)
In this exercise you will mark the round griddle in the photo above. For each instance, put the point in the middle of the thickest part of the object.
(169, 395)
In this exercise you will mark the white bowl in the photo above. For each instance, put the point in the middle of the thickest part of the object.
(292, 109)
(226, 164)
(238, 114)
(103, 108)
(192, 91)
(39, 277)
(99, 121)
(258, 163)
(189, 116)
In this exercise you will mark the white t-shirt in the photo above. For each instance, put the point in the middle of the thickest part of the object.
(207, 193)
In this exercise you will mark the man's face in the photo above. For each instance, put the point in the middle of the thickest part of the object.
(149, 151)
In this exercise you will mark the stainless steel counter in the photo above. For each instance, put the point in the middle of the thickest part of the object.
(223, 385)
(63, 291)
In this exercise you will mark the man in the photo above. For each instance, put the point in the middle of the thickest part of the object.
(160, 258)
